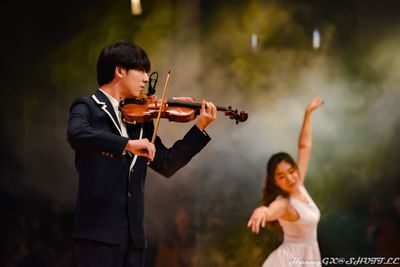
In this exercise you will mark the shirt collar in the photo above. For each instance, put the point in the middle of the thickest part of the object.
(114, 102)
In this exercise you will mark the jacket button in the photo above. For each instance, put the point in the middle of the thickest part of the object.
(129, 194)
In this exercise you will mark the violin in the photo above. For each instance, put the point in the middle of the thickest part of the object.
(144, 109)
(148, 108)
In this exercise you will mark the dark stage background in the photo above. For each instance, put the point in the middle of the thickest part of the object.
(49, 50)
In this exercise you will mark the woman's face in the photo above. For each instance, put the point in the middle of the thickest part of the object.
(286, 177)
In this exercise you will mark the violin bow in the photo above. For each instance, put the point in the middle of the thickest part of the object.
(153, 139)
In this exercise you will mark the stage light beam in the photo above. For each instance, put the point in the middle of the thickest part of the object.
(254, 41)
(136, 7)
(316, 39)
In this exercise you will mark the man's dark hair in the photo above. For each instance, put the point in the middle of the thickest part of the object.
(125, 54)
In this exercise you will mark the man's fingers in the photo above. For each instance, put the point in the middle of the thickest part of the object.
(210, 109)
(151, 151)
(213, 110)
(147, 149)
(203, 106)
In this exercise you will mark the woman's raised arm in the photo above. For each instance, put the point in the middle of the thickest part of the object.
(305, 137)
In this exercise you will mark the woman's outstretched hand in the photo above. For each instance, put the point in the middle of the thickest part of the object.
(257, 219)
(314, 103)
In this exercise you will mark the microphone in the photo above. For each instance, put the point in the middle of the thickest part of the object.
(151, 89)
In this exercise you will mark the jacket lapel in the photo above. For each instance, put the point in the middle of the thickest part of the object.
(102, 101)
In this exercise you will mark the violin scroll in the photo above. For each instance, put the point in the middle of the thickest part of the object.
(234, 115)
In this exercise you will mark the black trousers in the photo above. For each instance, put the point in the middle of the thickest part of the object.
(89, 253)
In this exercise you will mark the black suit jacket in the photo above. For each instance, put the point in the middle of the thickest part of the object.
(110, 201)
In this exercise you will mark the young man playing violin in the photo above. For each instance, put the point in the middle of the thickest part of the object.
(111, 158)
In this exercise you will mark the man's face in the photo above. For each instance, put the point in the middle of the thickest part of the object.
(134, 83)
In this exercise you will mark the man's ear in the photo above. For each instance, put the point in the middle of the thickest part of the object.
(119, 72)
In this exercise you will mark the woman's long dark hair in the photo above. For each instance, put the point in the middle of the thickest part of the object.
(271, 190)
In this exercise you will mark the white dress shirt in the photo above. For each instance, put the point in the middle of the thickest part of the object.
(115, 105)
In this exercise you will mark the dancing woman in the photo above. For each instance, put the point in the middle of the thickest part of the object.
(286, 200)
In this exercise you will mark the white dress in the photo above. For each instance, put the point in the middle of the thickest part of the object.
(300, 245)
